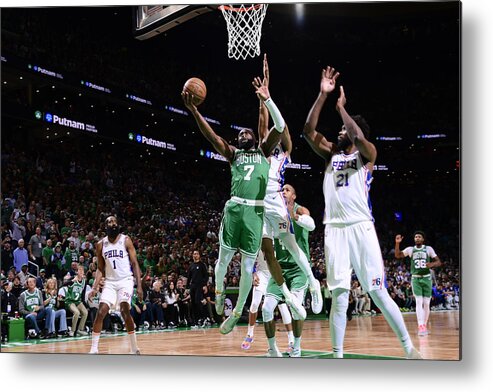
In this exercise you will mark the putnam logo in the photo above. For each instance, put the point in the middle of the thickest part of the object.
(68, 123)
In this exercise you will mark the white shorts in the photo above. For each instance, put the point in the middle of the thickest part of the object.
(354, 246)
(276, 216)
(117, 291)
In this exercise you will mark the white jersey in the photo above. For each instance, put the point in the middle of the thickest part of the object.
(346, 190)
(117, 262)
(278, 162)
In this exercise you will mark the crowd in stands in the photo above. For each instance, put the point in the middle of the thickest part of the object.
(57, 207)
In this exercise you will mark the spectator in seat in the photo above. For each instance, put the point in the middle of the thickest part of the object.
(32, 309)
(51, 300)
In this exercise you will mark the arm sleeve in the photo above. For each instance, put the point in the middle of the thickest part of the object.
(276, 115)
(306, 221)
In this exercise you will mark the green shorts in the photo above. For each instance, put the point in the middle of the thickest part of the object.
(421, 286)
(241, 228)
(295, 280)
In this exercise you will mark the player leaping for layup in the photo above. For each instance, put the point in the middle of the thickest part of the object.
(243, 215)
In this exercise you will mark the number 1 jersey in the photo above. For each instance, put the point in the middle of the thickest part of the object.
(117, 262)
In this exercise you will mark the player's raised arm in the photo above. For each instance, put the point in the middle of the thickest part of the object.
(263, 115)
(135, 266)
(219, 144)
(263, 126)
(354, 132)
(274, 136)
(316, 140)
(399, 254)
(99, 272)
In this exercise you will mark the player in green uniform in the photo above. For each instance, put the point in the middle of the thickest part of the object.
(423, 257)
(295, 278)
(241, 225)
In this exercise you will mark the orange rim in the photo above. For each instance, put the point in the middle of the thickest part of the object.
(234, 9)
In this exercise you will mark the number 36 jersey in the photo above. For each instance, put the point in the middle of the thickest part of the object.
(117, 262)
(347, 190)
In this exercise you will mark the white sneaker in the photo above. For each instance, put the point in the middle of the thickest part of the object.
(296, 308)
(274, 353)
(71, 334)
(136, 352)
(94, 351)
(317, 302)
(414, 354)
(295, 353)
(82, 333)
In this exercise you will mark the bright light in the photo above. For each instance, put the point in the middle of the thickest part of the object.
(300, 12)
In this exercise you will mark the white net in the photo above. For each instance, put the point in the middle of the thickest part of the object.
(244, 25)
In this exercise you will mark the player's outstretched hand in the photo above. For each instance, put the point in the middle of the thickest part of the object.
(261, 89)
(266, 71)
(328, 80)
(341, 102)
(188, 101)
(398, 239)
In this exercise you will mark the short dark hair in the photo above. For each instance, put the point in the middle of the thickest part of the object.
(420, 233)
(361, 122)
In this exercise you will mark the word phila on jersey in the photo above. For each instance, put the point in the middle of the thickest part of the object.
(346, 190)
(117, 261)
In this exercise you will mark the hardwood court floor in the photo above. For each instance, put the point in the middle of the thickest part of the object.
(366, 337)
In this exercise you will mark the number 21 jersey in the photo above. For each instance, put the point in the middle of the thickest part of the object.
(117, 262)
(346, 190)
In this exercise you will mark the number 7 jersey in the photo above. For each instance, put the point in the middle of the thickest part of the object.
(117, 262)
(249, 174)
(347, 190)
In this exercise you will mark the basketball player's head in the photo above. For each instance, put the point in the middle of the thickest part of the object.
(419, 237)
(343, 140)
(289, 193)
(246, 139)
(112, 228)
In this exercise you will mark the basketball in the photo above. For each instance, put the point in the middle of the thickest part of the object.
(196, 87)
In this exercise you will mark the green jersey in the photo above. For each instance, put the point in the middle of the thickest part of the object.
(47, 252)
(32, 300)
(71, 255)
(301, 235)
(419, 258)
(249, 174)
(74, 292)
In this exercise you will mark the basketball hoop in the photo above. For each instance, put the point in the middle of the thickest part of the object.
(244, 25)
